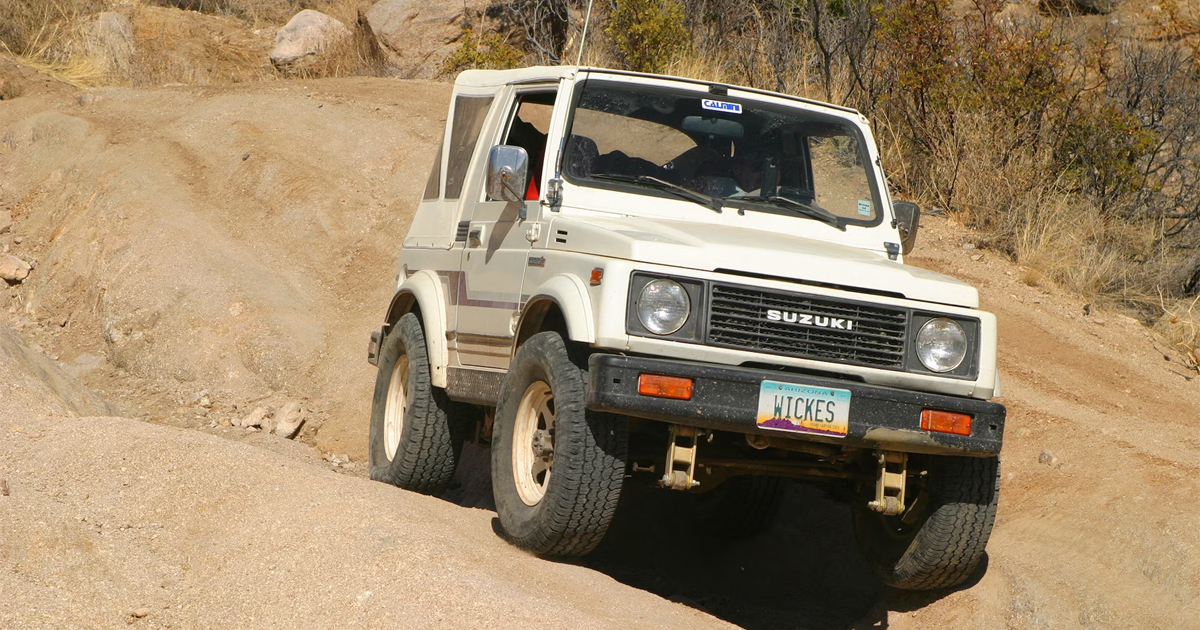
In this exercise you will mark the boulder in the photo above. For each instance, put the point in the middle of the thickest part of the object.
(305, 37)
(289, 420)
(109, 42)
(257, 418)
(13, 269)
(416, 35)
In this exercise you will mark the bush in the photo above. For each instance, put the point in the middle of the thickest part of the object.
(1071, 147)
(648, 34)
(485, 52)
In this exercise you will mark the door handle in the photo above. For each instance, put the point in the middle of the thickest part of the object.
(534, 233)
(475, 236)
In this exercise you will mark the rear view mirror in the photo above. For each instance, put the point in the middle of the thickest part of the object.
(508, 171)
(908, 218)
(718, 127)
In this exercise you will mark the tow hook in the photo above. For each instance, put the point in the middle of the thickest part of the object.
(889, 483)
(680, 470)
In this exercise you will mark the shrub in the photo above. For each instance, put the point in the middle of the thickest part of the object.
(485, 52)
(648, 33)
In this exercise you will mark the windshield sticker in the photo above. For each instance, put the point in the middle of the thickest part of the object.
(864, 208)
(721, 106)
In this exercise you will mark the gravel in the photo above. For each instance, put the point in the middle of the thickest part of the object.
(110, 518)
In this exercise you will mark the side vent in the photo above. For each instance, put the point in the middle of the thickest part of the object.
(561, 237)
(461, 235)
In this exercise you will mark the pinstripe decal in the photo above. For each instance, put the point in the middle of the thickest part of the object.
(460, 296)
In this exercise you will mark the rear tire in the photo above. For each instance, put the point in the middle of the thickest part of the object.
(945, 545)
(557, 468)
(742, 507)
(413, 442)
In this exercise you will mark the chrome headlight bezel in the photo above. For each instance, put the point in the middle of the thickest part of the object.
(663, 306)
(941, 345)
(692, 330)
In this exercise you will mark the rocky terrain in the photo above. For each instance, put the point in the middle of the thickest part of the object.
(192, 256)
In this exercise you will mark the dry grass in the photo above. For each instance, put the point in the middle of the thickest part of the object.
(176, 47)
(209, 41)
(1180, 326)
(1010, 196)
(255, 13)
(48, 35)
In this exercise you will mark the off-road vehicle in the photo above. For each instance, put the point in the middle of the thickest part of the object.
(616, 278)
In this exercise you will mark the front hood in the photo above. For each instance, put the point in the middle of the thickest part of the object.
(711, 247)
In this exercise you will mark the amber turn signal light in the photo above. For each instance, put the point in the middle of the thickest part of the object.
(665, 386)
(946, 422)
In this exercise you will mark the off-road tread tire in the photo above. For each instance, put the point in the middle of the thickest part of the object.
(429, 446)
(589, 455)
(744, 507)
(949, 546)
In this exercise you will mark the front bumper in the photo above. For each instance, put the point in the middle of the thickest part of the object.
(726, 399)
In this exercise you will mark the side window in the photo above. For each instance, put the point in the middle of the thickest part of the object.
(469, 114)
(434, 186)
(527, 129)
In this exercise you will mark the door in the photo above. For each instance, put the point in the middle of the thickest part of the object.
(498, 244)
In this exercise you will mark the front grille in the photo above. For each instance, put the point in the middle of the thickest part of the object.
(739, 319)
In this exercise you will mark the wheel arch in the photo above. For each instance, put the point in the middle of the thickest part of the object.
(422, 294)
(560, 302)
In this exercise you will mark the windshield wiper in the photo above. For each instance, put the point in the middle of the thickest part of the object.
(801, 208)
(711, 203)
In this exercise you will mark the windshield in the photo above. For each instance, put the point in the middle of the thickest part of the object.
(742, 152)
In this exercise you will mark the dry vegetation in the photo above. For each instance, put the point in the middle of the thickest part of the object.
(1064, 132)
(171, 41)
(1065, 137)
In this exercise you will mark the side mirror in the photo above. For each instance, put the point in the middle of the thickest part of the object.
(507, 174)
(908, 218)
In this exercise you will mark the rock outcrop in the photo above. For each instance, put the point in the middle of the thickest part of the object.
(306, 38)
(415, 36)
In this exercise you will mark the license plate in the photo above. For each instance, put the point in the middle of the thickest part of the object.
(803, 408)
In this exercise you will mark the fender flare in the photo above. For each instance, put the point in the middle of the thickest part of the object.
(571, 295)
(424, 288)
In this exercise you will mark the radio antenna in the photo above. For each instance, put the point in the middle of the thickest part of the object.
(583, 38)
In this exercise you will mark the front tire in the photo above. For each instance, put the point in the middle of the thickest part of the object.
(557, 468)
(947, 541)
(412, 442)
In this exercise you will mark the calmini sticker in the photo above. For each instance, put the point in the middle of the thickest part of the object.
(721, 106)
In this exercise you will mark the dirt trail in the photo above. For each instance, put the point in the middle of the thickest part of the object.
(241, 240)
(237, 240)
(95, 528)
(1105, 535)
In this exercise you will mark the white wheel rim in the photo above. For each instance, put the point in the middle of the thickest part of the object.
(533, 443)
(397, 403)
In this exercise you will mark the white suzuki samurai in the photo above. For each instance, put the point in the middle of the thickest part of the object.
(617, 278)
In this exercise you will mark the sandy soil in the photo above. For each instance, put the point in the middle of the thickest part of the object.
(241, 241)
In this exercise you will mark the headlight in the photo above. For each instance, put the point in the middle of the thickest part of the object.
(663, 306)
(941, 344)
